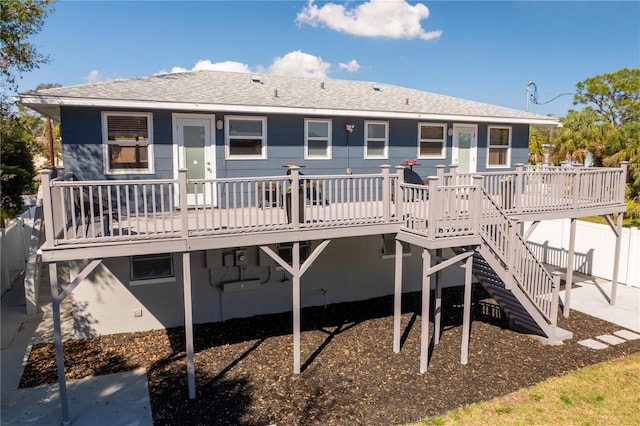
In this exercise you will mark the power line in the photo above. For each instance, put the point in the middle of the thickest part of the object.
(532, 95)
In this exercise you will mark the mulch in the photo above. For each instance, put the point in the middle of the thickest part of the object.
(350, 375)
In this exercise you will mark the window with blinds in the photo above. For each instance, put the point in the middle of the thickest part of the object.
(432, 140)
(127, 137)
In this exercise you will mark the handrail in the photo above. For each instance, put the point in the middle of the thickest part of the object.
(528, 272)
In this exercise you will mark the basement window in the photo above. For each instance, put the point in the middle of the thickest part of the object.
(151, 269)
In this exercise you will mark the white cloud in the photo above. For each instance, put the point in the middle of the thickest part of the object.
(351, 66)
(300, 64)
(95, 76)
(376, 18)
(293, 63)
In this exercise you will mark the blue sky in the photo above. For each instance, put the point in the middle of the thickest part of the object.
(483, 51)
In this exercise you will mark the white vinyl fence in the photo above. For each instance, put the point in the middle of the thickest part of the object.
(14, 247)
(594, 249)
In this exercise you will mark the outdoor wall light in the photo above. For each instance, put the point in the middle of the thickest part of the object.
(219, 124)
(350, 127)
(450, 131)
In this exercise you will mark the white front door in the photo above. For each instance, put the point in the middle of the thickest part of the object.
(194, 139)
(465, 147)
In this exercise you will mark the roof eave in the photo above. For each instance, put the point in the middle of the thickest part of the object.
(50, 106)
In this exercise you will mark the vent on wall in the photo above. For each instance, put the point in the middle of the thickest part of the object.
(256, 78)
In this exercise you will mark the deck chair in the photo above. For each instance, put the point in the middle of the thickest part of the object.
(89, 206)
(313, 190)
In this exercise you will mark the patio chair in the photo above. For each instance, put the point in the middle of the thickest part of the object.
(90, 206)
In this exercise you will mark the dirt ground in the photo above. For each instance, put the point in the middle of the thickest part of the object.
(350, 374)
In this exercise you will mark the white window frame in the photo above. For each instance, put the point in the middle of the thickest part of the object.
(308, 138)
(133, 281)
(443, 141)
(106, 143)
(227, 138)
(385, 140)
(507, 148)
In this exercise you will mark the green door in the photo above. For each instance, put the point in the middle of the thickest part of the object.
(196, 155)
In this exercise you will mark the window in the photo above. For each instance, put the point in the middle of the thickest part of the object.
(151, 269)
(285, 251)
(317, 139)
(246, 137)
(376, 137)
(499, 145)
(128, 142)
(432, 140)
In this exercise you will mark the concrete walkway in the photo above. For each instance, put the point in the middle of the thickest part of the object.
(114, 399)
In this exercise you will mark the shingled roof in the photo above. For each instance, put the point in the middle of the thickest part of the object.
(219, 91)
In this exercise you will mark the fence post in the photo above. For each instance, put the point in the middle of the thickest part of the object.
(47, 207)
(440, 172)
(386, 193)
(453, 169)
(477, 208)
(399, 196)
(184, 210)
(519, 188)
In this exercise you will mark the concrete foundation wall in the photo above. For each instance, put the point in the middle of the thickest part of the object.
(349, 269)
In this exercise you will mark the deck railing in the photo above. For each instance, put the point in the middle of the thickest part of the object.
(445, 206)
(537, 189)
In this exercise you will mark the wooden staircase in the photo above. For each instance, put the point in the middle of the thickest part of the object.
(514, 277)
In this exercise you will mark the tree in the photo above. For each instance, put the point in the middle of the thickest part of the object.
(16, 167)
(583, 134)
(615, 97)
(21, 19)
(538, 144)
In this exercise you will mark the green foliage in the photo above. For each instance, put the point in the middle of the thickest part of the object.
(538, 138)
(615, 97)
(582, 132)
(16, 167)
(21, 19)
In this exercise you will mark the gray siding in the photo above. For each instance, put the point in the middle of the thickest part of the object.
(83, 149)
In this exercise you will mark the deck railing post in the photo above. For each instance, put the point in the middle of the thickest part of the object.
(624, 165)
(434, 200)
(576, 186)
(399, 196)
(295, 196)
(519, 188)
(555, 297)
(47, 207)
(477, 208)
(386, 193)
(184, 211)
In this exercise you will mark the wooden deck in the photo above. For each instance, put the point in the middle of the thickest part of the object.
(230, 212)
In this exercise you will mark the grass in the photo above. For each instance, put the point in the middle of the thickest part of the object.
(607, 393)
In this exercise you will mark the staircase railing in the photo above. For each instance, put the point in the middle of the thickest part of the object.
(500, 234)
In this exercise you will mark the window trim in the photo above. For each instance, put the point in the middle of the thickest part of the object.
(151, 280)
(227, 138)
(443, 151)
(385, 140)
(307, 138)
(106, 143)
(500, 147)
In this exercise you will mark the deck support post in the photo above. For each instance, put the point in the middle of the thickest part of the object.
(296, 307)
(57, 340)
(437, 310)
(569, 277)
(397, 298)
(426, 295)
(616, 260)
(466, 315)
(188, 323)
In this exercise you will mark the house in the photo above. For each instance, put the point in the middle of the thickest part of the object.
(202, 196)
